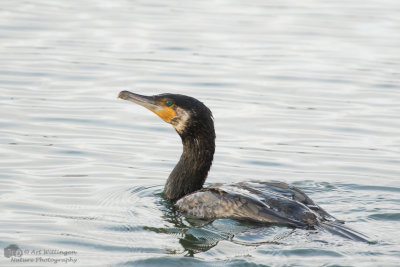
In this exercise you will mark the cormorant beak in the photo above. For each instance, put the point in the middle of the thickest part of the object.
(167, 113)
(146, 101)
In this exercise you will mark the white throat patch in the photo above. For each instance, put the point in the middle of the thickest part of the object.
(180, 120)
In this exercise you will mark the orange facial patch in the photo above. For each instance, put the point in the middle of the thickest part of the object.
(166, 113)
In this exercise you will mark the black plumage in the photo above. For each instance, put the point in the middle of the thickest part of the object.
(198, 139)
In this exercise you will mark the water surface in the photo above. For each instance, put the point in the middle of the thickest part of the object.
(306, 93)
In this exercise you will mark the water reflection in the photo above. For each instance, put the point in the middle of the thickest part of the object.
(193, 234)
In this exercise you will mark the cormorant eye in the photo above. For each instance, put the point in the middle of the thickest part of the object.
(169, 103)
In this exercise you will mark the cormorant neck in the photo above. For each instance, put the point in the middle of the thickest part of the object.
(191, 171)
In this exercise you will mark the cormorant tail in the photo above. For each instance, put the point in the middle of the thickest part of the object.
(338, 228)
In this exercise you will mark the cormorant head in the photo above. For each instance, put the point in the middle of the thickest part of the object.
(186, 114)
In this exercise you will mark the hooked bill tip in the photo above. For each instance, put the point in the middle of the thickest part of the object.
(123, 94)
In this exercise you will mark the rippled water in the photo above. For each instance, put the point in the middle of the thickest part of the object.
(303, 92)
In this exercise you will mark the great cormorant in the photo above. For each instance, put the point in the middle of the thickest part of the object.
(255, 201)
